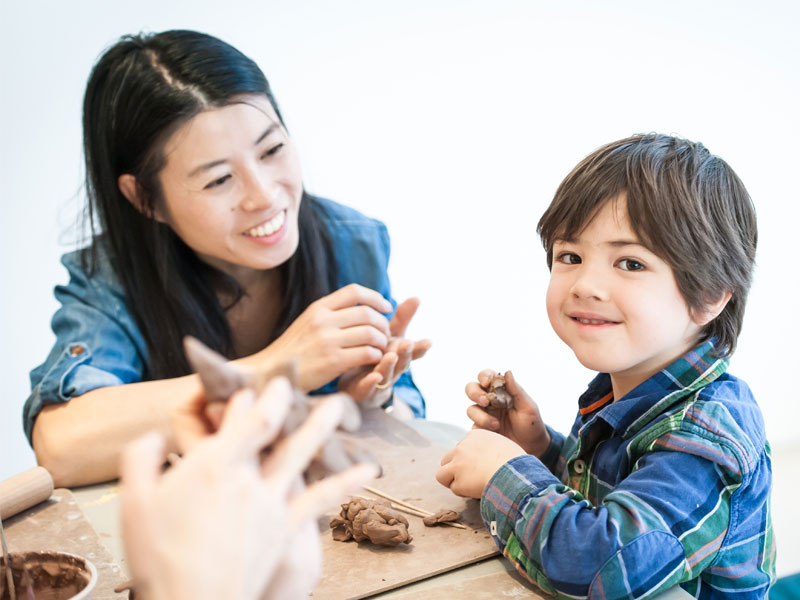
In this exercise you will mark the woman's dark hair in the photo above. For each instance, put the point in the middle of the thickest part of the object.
(685, 204)
(141, 91)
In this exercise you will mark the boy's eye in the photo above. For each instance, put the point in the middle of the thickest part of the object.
(630, 264)
(272, 151)
(569, 258)
(217, 182)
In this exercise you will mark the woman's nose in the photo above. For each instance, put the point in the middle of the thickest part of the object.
(259, 192)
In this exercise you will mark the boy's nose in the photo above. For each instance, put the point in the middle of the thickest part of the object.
(589, 283)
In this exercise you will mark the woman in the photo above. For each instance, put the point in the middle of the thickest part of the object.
(205, 230)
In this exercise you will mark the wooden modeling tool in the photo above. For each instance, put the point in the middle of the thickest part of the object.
(400, 505)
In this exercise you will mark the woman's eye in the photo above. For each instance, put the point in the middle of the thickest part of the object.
(630, 264)
(569, 258)
(272, 151)
(217, 182)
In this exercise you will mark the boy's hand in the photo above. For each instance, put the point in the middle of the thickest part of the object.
(468, 467)
(522, 424)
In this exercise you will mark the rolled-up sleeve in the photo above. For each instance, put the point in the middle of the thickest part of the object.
(97, 343)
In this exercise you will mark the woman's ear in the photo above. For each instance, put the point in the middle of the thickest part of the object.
(711, 310)
(130, 189)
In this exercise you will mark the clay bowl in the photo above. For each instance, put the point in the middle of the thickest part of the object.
(54, 576)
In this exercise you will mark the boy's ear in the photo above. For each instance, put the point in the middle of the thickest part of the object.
(130, 189)
(712, 310)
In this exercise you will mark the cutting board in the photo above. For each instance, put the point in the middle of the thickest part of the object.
(59, 524)
(409, 461)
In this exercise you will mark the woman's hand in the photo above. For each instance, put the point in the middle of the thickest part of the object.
(468, 467)
(373, 384)
(522, 423)
(221, 523)
(344, 330)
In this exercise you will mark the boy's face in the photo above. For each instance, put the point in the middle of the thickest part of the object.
(616, 304)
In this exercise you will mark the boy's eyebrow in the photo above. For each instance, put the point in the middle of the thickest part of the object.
(621, 243)
(214, 163)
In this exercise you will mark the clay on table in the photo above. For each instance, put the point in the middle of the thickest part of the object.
(50, 575)
(443, 516)
(373, 520)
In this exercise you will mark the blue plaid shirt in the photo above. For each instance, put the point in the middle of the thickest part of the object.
(669, 484)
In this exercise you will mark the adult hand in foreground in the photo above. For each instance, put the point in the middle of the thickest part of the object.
(226, 522)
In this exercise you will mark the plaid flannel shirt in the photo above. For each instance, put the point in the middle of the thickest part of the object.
(670, 484)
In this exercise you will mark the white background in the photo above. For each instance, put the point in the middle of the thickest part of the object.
(453, 122)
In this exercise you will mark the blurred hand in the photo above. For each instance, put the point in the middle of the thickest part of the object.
(226, 522)
(467, 468)
(522, 424)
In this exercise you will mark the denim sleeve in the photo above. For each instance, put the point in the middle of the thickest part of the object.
(97, 344)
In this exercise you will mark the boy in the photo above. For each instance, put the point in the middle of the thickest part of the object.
(665, 477)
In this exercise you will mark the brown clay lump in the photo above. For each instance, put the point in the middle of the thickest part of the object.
(498, 396)
(443, 516)
(373, 520)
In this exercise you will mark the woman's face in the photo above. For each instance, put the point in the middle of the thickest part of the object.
(232, 187)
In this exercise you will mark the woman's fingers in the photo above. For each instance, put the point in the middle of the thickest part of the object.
(353, 294)
(420, 348)
(353, 316)
(291, 455)
(362, 335)
(402, 316)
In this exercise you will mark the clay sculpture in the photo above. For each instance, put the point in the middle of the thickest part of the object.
(221, 379)
(373, 520)
(498, 396)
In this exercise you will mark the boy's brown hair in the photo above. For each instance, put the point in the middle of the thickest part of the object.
(685, 204)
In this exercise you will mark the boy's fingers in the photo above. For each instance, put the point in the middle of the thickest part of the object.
(482, 419)
(445, 475)
(476, 393)
(485, 377)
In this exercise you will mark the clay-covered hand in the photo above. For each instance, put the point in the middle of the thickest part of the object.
(344, 330)
(467, 468)
(373, 384)
(522, 423)
(220, 523)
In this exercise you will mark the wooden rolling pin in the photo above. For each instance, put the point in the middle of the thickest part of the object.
(24, 490)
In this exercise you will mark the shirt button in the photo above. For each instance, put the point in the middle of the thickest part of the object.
(76, 350)
(579, 466)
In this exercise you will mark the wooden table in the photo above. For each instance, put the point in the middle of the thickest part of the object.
(486, 578)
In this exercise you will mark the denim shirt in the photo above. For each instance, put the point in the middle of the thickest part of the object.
(98, 342)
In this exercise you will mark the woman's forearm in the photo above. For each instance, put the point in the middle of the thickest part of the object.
(80, 441)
